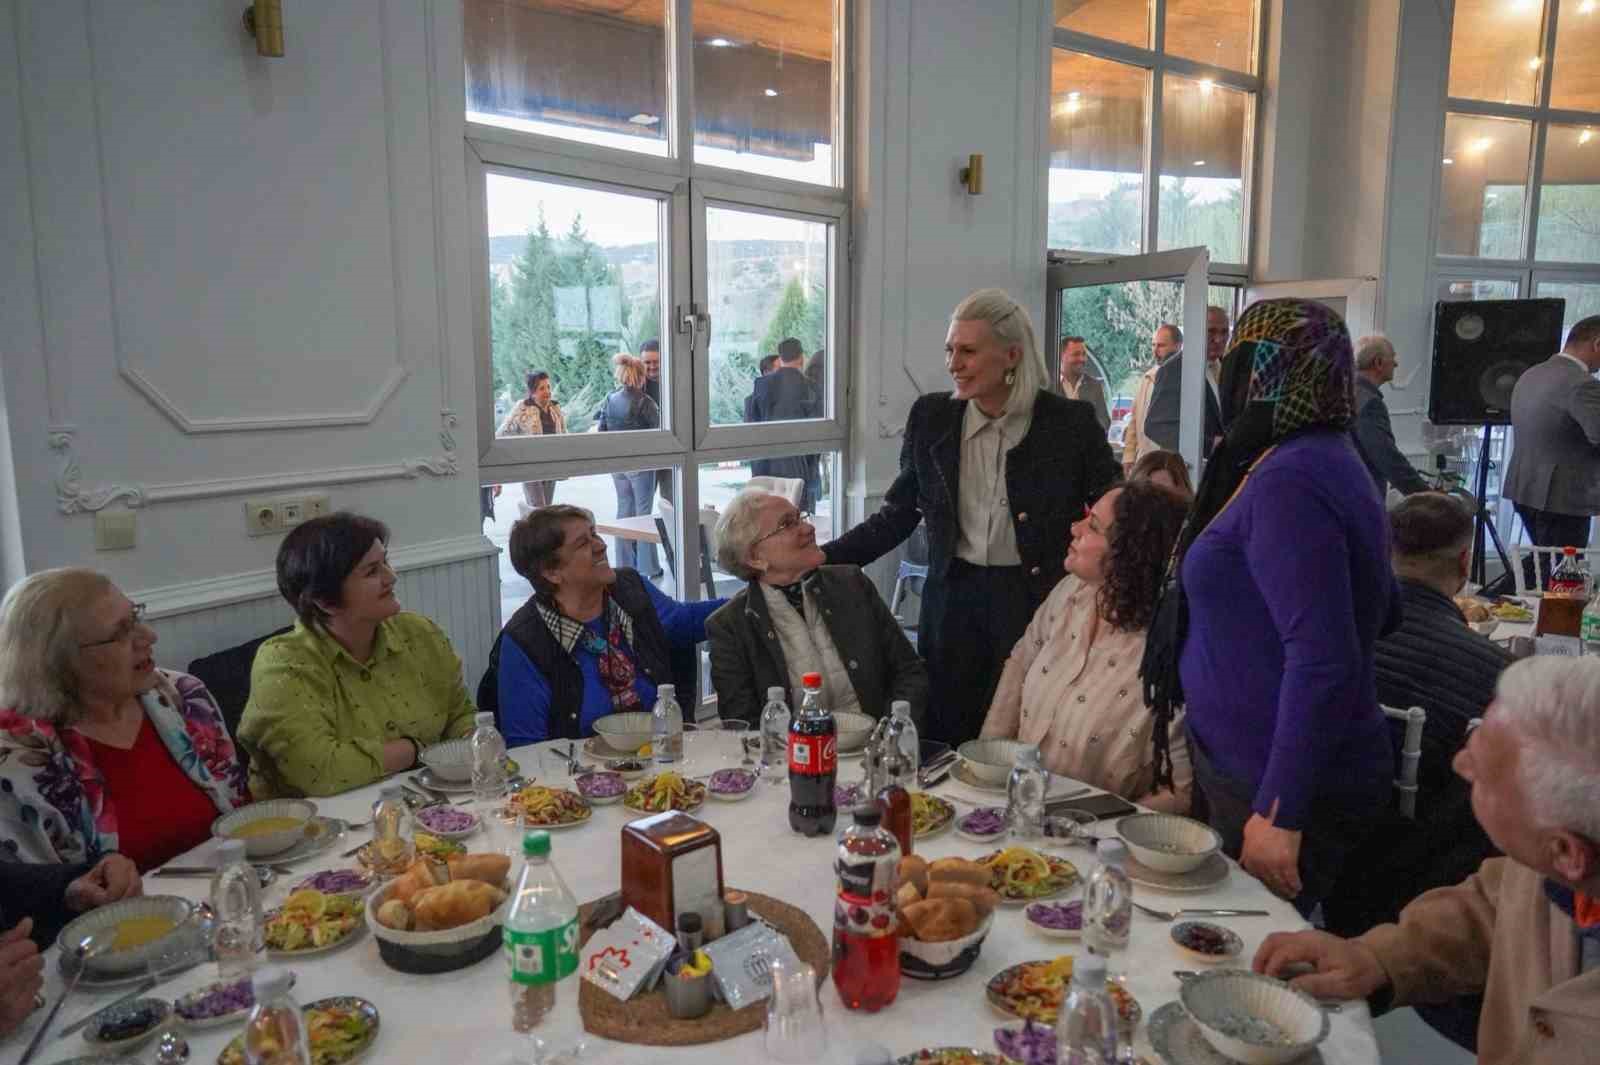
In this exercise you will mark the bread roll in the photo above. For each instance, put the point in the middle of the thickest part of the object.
(940, 920)
(906, 894)
(395, 914)
(423, 874)
(489, 868)
(914, 869)
(454, 904)
(960, 871)
(985, 899)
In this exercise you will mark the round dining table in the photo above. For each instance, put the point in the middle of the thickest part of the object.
(465, 1016)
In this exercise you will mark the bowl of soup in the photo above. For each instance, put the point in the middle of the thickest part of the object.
(267, 828)
(129, 933)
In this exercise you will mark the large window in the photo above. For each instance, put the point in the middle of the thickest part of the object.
(659, 218)
(1152, 116)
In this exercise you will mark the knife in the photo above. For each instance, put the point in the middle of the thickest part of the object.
(184, 870)
(144, 987)
(1224, 913)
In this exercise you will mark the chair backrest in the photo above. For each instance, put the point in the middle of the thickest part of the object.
(1545, 559)
(791, 488)
(1405, 785)
(226, 674)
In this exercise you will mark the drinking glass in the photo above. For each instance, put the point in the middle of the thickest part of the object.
(729, 740)
(794, 1028)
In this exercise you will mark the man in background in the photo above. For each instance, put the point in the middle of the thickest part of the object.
(784, 395)
(1376, 361)
(1160, 429)
(767, 364)
(650, 353)
(1078, 383)
(1216, 343)
(1554, 474)
(1166, 340)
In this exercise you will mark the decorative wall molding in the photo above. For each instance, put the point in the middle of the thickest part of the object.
(71, 496)
(237, 424)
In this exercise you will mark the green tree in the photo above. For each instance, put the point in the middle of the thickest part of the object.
(794, 317)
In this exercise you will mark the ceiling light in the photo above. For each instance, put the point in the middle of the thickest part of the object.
(1199, 162)
(1482, 144)
(720, 42)
(642, 119)
(1533, 64)
(1074, 95)
(1586, 8)
(770, 92)
(1586, 136)
(1206, 85)
(1449, 161)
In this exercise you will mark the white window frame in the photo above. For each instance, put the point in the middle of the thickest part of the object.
(685, 188)
(1157, 63)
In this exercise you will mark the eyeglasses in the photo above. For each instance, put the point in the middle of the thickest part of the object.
(797, 518)
(123, 632)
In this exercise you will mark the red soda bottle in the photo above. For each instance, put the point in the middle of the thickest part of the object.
(813, 762)
(866, 950)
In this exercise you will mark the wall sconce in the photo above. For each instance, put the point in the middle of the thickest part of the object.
(264, 20)
(972, 174)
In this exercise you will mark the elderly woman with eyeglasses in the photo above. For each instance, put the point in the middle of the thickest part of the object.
(798, 616)
(100, 750)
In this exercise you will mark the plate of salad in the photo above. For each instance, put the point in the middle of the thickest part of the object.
(949, 1056)
(310, 922)
(340, 1030)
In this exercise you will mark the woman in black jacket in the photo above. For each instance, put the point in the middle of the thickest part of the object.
(627, 409)
(999, 469)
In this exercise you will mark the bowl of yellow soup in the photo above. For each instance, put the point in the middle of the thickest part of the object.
(268, 827)
(129, 933)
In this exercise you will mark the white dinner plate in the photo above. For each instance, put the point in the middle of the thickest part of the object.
(1207, 875)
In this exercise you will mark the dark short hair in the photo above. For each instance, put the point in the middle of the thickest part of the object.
(1177, 334)
(537, 539)
(1429, 524)
(1146, 520)
(790, 349)
(1169, 462)
(767, 363)
(1586, 332)
(650, 345)
(1072, 340)
(534, 377)
(316, 557)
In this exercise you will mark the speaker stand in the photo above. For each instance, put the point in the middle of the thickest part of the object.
(1484, 529)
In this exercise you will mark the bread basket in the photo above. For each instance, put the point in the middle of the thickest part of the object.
(435, 952)
(944, 960)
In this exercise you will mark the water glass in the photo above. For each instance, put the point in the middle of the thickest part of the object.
(553, 759)
(730, 735)
(794, 1029)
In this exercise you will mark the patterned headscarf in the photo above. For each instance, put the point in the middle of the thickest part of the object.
(1290, 368)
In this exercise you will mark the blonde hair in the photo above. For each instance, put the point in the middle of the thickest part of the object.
(40, 629)
(627, 371)
(1011, 325)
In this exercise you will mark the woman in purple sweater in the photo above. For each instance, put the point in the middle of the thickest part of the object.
(1285, 587)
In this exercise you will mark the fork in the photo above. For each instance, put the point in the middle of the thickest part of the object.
(1173, 915)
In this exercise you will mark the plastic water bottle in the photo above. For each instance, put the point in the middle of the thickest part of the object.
(236, 899)
(1086, 1028)
(1589, 627)
(910, 742)
(1025, 794)
(275, 1034)
(1108, 905)
(666, 727)
(488, 760)
(775, 736)
(540, 935)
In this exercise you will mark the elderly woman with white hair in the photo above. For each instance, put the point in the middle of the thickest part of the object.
(999, 468)
(1524, 930)
(100, 750)
(1376, 362)
(799, 616)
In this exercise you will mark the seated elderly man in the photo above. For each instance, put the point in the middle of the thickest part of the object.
(799, 616)
(1433, 660)
(1525, 928)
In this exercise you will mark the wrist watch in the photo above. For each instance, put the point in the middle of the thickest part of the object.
(416, 751)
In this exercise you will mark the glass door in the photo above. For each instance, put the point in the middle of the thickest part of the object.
(1116, 305)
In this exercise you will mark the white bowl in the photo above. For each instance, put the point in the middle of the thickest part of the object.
(450, 760)
(991, 760)
(1221, 999)
(941, 961)
(102, 924)
(268, 843)
(853, 730)
(1168, 843)
(624, 733)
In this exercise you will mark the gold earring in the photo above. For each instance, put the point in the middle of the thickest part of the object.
(1011, 376)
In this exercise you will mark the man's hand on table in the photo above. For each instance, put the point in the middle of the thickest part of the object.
(21, 975)
(1272, 854)
(1345, 968)
(113, 878)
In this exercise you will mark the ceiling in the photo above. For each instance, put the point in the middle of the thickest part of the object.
(801, 28)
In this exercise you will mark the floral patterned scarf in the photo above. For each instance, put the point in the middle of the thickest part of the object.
(53, 801)
(616, 665)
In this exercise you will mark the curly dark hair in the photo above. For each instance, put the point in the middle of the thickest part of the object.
(1146, 519)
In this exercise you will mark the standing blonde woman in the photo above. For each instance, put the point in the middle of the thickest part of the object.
(100, 750)
(630, 409)
(999, 468)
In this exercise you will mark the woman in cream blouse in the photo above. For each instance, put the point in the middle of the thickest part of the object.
(1072, 682)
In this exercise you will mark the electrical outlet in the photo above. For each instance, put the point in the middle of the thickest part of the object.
(261, 517)
(114, 530)
(291, 512)
(316, 506)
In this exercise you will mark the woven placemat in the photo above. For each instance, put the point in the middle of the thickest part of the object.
(644, 1018)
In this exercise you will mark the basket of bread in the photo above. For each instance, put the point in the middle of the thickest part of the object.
(441, 915)
(946, 909)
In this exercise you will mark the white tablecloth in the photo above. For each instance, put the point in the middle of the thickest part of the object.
(464, 1016)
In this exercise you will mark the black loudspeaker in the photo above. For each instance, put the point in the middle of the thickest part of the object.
(1480, 348)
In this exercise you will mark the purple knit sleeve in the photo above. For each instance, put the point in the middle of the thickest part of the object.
(1299, 557)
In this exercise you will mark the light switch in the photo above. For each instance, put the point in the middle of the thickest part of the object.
(114, 530)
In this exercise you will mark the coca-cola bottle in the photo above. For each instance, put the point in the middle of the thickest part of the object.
(813, 762)
(866, 950)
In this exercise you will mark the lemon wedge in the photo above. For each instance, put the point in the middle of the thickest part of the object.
(311, 902)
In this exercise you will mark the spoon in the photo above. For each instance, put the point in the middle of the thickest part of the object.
(80, 956)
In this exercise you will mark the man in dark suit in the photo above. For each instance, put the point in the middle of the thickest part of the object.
(1554, 473)
(1161, 420)
(786, 394)
(1376, 361)
(1078, 383)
